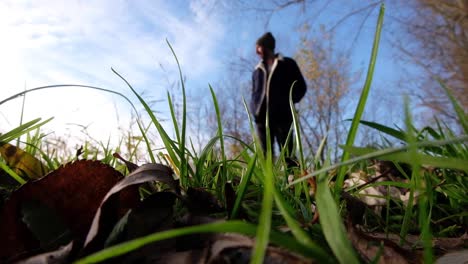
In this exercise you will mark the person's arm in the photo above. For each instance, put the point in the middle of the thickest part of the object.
(252, 94)
(300, 87)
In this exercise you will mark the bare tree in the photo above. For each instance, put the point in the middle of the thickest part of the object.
(329, 78)
(435, 35)
(202, 120)
(432, 34)
(234, 117)
(196, 118)
(269, 8)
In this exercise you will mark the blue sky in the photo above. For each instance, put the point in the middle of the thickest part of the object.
(77, 42)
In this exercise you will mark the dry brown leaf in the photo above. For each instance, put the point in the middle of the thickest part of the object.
(153, 214)
(54, 257)
(460, 256)
(202, 202)
(130, 165)
(387, 251)
(103, 221)
(74, 191)
(229, 248)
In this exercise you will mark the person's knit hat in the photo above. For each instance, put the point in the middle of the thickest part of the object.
(267, 41)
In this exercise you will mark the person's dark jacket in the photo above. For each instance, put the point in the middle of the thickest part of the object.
(274, 91)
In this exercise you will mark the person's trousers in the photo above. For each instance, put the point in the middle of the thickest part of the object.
(278, 132)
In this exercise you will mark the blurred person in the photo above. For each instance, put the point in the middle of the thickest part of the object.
(273, 78)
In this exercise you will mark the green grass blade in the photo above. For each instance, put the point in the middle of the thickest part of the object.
(385, 129)
(297, 129)
(217, 227)
(264, 225)
(173, 116)
(243, 186)
(417, 180)
(22, 129)
(299, 233)
(377, 154)
(252, 130)
(143, 131)
(167, 141)
(414, 181)
(183, 159)
(22, 115)
(462, 117)
(297, 134)
(67, 86)
(147, 142)
(425, 208)
(362, 102)
(181, 151)
(220, 135)
(438, 162)
(201, 162)
(320, 149)
(331, 222)
(13, 174)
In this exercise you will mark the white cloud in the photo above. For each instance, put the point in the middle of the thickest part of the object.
(57, 42)
(194, 37)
